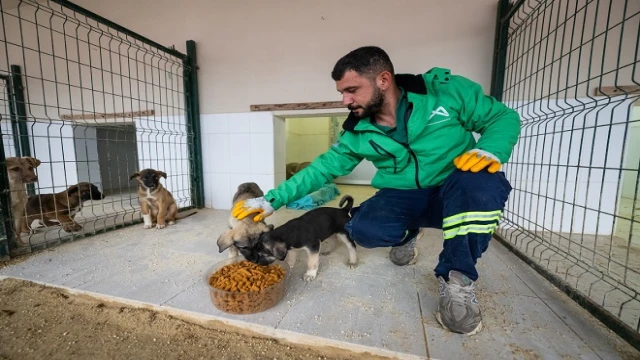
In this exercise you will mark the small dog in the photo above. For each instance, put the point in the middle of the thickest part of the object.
(306, 232)
(294, 168)
(156, 203)
(21, 171)
(61, 208)
(243, 234)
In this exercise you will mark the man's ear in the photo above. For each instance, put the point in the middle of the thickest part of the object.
(384, 80)
(161, 173)
(135, 175)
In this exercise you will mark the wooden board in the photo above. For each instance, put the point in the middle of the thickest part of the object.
(617, 90)
(299, 106)
(97, 116)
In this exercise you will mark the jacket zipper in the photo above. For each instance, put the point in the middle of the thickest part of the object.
(382, 151)
(413, 155)
(406, 146)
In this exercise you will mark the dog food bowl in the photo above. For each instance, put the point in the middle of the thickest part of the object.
(247, 301)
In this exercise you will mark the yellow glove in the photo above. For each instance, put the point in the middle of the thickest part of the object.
(259, 206)
(476, 160)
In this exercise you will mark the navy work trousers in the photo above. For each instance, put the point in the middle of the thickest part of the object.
(467, 207)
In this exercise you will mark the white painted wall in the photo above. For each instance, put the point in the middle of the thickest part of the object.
(280, 51)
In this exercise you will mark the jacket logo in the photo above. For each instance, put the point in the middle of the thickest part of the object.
(439, 111)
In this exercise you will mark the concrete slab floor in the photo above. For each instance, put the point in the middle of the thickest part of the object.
(376, 304)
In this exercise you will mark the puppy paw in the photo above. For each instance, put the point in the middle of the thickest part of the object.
(147, 226)
(309, 276)
(352, 265)
(172, 222)
(160, 226)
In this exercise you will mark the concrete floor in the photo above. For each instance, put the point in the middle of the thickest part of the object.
(377, 304)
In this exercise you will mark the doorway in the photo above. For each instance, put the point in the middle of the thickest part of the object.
(300, 138)
(107, 156)
(629, 201)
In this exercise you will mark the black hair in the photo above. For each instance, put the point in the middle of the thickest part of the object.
(368, 61)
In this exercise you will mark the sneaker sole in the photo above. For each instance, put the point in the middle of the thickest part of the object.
(473, 332)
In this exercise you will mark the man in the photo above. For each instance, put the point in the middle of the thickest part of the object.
(417, 130)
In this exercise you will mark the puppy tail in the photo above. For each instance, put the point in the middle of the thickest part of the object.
(349, 200)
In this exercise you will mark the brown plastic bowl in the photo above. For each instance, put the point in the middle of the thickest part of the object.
(249, 302)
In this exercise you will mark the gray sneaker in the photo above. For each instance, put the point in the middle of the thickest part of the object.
(405, 254)
(458, 309)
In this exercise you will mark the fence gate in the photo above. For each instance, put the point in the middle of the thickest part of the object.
(93, 102)
(570, 68)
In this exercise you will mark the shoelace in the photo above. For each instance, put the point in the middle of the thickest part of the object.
(460, 294)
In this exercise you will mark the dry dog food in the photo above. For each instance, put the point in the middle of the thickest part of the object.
(247, 287)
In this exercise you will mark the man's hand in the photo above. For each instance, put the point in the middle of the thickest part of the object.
(244, 208)
(476, 160)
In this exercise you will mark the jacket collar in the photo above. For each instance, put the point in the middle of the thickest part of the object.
(409, 82)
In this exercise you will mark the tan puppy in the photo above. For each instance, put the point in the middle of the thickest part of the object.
(156, 203)
(243, 234)
(61, 208)
(21, 171)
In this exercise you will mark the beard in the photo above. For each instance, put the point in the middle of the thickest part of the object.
(372, 107)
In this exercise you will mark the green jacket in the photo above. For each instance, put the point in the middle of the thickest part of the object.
(444, 110)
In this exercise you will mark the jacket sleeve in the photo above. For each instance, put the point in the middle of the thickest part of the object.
(338, 161)
(498, 125)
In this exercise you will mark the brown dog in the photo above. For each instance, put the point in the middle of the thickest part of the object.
(243, 234)
(156, 203)
(61, 208)
(21, 171)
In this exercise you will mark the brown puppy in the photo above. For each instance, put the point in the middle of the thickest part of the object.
(156, 203)
(21, 171)
(243, 234)
(61, 208)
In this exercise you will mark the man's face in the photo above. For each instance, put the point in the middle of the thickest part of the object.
(360, 95)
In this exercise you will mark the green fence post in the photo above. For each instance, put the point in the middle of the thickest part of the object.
(500, 50)
(193, 120)
(19, 103)
(6, 236)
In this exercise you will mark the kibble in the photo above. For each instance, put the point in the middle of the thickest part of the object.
(247, 287)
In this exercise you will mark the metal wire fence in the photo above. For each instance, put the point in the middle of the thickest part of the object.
(93, 102)
(570, 69)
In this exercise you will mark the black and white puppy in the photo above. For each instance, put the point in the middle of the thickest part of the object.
(306, 232)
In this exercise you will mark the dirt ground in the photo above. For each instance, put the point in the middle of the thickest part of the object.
(39, 322)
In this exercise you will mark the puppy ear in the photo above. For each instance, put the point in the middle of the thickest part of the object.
(161, 173)
(72, 189)
(225, 240)
(134, 175)
(280, 251)
(264, 227)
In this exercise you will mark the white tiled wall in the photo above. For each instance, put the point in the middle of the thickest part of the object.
(237, 148)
